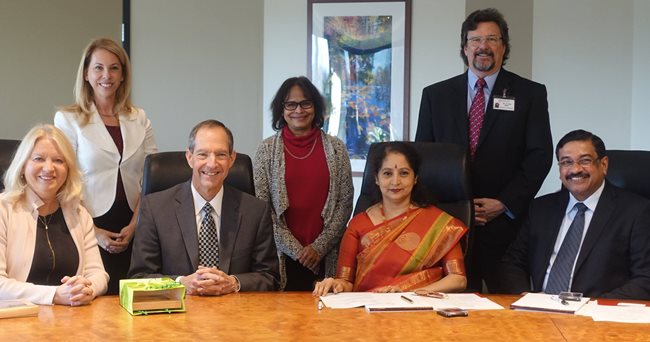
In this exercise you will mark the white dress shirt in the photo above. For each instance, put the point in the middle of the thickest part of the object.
(591, 202)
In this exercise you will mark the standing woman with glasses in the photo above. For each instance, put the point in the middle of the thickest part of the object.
(111, 138)
(305, 174)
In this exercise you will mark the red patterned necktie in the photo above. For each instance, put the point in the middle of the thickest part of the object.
(476, 112)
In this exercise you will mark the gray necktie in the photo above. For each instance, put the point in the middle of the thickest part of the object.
(558, 279)
(208, 239)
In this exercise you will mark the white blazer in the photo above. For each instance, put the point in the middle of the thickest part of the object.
(99, 158)
(18, 240)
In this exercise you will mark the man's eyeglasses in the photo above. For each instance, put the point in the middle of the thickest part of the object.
(291, 105)
(584, 162)
(490, 40)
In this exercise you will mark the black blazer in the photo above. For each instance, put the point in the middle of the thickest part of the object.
(614, 259)
(515, 149)
(166, 240)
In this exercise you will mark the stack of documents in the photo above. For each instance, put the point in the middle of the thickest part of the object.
(548, 303)
(406, 301)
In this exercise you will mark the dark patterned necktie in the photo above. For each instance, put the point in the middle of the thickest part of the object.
(558, 279)
(208, 239)
(476, 113)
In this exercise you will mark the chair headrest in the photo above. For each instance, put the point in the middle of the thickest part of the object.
(443, 174)
(629, 170)
(7, 149)
(165, 169)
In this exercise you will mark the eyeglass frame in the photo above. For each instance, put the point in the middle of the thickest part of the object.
(490, 40)
(583, 162)
(304, 104)
(432, 294)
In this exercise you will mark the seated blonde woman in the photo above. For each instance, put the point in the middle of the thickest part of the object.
(42, 222)
(401, 243)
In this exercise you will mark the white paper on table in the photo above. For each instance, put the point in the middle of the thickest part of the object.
(620, 313)
(345, 300)
(466, 301)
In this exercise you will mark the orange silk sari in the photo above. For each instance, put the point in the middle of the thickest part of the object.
(409, 251)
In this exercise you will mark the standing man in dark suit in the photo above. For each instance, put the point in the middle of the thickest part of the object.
(601, 250)
(502, 120)
(212, 238)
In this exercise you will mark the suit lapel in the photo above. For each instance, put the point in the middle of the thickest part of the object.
(604, 210)
(132, 135)
(503, 82)
(230, 221)
(96, 132)
(548, 236)
(461, 121)
(186, 219)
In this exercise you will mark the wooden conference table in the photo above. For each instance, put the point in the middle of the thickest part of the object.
(295, 316)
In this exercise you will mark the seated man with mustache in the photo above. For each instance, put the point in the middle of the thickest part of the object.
(590, 237)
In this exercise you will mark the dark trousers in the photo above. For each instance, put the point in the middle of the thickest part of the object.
(300, 278)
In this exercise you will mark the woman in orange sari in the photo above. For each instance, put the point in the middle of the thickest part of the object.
(401, 243)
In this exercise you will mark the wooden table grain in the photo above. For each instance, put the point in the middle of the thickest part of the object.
(294, 316)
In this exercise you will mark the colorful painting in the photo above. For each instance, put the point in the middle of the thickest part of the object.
(359, 79)
(358, 64)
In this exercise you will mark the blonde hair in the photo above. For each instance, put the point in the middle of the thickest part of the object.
(83, 92)
(14, 179)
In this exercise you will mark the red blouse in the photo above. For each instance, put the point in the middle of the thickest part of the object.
(307, 182)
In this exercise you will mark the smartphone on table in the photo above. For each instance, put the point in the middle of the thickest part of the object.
(452, 312)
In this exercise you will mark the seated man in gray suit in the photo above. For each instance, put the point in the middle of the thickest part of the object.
(212, 238)
(590, 237)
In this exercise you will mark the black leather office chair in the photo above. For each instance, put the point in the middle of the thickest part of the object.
(444, 174)
(7, 149)
(629, 170)
(165, 169)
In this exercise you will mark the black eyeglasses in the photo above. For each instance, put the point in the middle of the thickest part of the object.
(291, 105)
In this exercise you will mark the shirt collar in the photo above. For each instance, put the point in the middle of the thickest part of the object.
(590, 202)
(199, 201)
(489, 80)
(32, 200)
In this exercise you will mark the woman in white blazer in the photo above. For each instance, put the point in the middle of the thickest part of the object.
(111, 138)
(42, 221)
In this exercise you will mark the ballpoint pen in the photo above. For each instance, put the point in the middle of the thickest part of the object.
(407, 299)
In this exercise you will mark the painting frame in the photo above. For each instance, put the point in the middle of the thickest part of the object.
(364, 105)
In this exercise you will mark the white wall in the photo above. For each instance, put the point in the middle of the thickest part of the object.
(640, 120)
(41, 44)
(195, 60)
(583, 52)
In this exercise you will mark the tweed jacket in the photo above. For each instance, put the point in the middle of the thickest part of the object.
(269, 171)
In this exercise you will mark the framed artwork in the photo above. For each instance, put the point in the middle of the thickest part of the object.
(358, 58)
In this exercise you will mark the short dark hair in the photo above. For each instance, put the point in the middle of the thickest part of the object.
(582, 135)
(309, 91)
(482, 16)
(418, 195)
(210, 123)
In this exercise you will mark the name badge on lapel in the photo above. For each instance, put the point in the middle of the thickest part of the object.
(504, 102)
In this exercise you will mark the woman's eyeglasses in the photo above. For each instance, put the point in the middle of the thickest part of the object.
(291, 105)
(432, 294)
